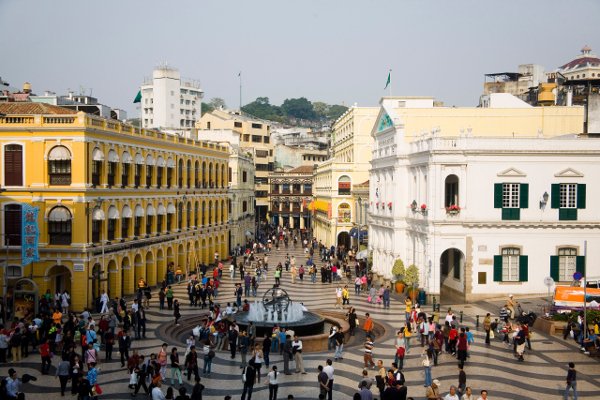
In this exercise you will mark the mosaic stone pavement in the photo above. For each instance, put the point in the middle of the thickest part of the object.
(494, 368)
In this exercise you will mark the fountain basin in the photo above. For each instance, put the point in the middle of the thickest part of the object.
(309, 324)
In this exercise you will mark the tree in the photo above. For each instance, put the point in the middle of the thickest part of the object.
(299, 108)
(335, 111)
(260, 108)
(206, 108)
(321, 109)
(217, 102)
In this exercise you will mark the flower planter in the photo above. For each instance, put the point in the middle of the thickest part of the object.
(399, 286)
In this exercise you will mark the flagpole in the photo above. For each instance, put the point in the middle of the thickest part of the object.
(390, 83)
(240, 75)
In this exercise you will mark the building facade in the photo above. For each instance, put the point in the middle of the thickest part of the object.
(484, 214)
(290, 197)
(170, 103)
(253, 135)
(334, 206)
(241, 189)
(116, 204)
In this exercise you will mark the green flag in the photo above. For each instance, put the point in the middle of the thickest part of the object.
(389, 79)
(138, 98)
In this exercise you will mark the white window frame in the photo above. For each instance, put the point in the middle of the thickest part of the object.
(510, 264)
(511, 195)
(568, 195)
(567, 263)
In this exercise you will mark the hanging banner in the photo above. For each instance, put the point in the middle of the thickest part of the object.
(30, 233)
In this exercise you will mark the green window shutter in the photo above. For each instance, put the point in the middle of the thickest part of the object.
(567, 214)
(524, 195)
(554, 268)
(581, 196)
(511, 214)
(497, 268)
(523, 269)
(555, 196)
(497, 195)
(580, 264)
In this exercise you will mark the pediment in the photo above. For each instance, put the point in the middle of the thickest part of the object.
(569, 173)
(512, 172)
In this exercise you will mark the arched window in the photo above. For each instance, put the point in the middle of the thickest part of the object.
(344, 185)
(189, 173)
(197, 174)
(12, 224)
(137, 221)
(180, 173)
(210, 210)
(59, 226)
(211, 182)
(217, 184)
(204, 174)
(97, 161)
(223, 184)
(113, 159)
(170, 171)
(150, 214)
(179, 215)
(113, 216)
(451, 191)
(59, 166)
(13, 165)
(97, 218)
(127, 161)
(149, 169)
(139, 161)
(188, 215)
(196, 212)
(170, 212)
(160, 166)
(160, 215)
(344, 213)
(126, 216)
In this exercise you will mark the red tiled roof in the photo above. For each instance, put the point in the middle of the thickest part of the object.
(365, 183)
(582, 61)
(303, 169)
(33, 108)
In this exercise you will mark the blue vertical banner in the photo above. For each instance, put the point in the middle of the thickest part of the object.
(30, 234)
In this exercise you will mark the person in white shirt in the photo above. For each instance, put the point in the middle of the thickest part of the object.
(157, 393)
(452, 395)
(328, 369)
(135, 306)
(297, 351)
(64, 302)
(273, 381)
(104, 301)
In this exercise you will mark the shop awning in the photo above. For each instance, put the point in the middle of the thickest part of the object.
(127, 159)
(127, 212)
(59, 153)
(150, 211)
(139, 211)
(139, 159)
(97, 155)
(170, 208)
(113, 156)
(59, 214)
(98, 215)
(113, 213)
(161, 210)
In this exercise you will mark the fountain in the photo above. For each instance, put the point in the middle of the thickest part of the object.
(276, 308)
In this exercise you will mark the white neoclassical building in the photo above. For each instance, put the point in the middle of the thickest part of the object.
(485, 201)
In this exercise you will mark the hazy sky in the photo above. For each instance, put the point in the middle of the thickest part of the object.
(329, 50)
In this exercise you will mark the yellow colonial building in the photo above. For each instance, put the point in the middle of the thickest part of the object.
(116, 203)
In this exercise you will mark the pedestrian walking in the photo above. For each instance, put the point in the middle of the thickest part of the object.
(487, 327)
(571, 382)
(248, 377)
(329, 370)
(287, 354)
(63, 373)
(175, 367)
(426, 363)
(273, 381)
(191, 363)
(368, 352)
(368, 325)
(176, 312)
(323, 381)
(462, 380)
(339, 344)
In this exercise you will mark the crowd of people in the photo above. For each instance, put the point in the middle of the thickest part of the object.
(71, 344)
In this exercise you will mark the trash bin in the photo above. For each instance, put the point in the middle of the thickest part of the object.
(422, 297)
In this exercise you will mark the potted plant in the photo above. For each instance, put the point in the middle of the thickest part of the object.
(424, 208)
(411, 277)
(390, 205)
(453, 209)
(398, 271)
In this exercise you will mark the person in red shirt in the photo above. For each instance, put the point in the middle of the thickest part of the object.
(46, 358)
(452, 337)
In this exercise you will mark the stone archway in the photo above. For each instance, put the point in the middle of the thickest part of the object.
(59, 279)
(114, 283)
(127, 279)
(161, 266)
(452, 276)
(343, 239)
(150, 269)
(139, 271)
(204, 252)
(96, 283)
(181, 261)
